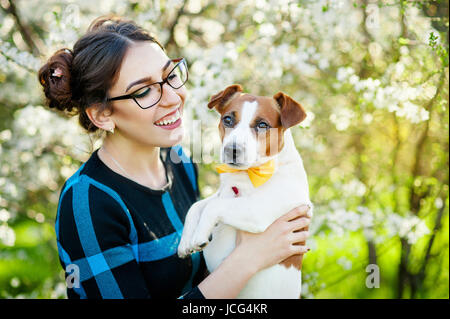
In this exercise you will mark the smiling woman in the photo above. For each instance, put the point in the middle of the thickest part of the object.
(120, 216)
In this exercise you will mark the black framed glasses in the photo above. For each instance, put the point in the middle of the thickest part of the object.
(149, 95)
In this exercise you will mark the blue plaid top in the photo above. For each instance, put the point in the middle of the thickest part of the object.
(122, 237)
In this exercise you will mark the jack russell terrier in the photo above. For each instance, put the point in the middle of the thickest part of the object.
(263, 179)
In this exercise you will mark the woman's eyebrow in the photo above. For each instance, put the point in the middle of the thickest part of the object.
(147, 78)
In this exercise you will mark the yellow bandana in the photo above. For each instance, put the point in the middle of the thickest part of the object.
(258, 175)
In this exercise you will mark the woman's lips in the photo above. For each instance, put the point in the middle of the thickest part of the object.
(171, 120)
(171, 126)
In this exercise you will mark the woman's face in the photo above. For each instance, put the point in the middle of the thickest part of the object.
(146, 126)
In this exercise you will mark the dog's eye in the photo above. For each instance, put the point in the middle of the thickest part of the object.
(228, 121)
(262, 126)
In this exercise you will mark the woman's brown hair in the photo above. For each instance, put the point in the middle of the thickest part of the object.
(74, 80)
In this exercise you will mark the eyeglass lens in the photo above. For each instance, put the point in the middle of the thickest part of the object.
(149, 95)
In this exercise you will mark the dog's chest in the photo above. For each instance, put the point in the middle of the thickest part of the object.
(235, 185)
(224, 237)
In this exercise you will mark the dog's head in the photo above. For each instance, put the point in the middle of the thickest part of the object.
(252, 127)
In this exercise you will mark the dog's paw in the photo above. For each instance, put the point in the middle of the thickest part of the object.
(203, 233)
(183, 248)
(200, 241)
(192, 218)
(186, 247)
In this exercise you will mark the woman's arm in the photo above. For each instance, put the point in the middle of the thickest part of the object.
(229, 278)
(255, 252)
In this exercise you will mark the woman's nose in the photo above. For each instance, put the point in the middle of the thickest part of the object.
(169, 96)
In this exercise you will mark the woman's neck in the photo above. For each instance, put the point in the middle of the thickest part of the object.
(138, 162)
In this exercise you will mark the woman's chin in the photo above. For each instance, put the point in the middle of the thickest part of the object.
(175, 137)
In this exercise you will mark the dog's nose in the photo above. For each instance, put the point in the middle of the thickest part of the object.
(232, 152)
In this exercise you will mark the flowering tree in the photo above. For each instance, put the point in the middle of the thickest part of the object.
(372, 75)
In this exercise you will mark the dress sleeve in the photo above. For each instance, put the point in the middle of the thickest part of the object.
(93, 236)
(194, 293)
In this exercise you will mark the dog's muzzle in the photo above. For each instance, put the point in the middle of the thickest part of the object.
(233, 154)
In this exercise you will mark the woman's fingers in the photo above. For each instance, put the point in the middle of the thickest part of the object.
(299, 237)
(300, 223)
(299, 249)
(295, 213)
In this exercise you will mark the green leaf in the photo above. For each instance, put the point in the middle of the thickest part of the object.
(403, 41)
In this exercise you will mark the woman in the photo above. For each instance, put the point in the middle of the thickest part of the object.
(120, 216)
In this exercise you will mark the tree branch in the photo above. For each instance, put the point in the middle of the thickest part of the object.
(23, 29)
(437, 227)
(182, 12)
(174, 23)
(414, 198)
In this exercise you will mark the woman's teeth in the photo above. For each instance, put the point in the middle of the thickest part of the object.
(171, 120)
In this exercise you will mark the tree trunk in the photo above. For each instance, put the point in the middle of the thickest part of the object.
(403, 274)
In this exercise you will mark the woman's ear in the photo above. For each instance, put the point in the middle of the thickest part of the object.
(218, 100)
(292, 113)
(100, 118)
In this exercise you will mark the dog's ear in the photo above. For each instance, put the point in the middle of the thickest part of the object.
(218, 100)
(292, 112)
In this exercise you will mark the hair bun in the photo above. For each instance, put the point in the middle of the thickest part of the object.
(55, 77)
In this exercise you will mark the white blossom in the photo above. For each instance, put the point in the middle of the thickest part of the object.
(7, 235)
(438, 203)
(345, 263)
(4, 215)
(342, 118)
(410, 227)
(354, 187)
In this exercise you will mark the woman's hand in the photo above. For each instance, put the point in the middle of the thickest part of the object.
(285, 237)
(258, 251)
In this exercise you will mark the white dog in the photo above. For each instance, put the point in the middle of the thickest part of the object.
(264, 178)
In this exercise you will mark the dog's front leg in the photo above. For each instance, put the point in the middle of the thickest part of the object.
(190, 224)
(253, 214)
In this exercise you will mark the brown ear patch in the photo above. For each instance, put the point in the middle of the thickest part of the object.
(220, 99)
(291, 112)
